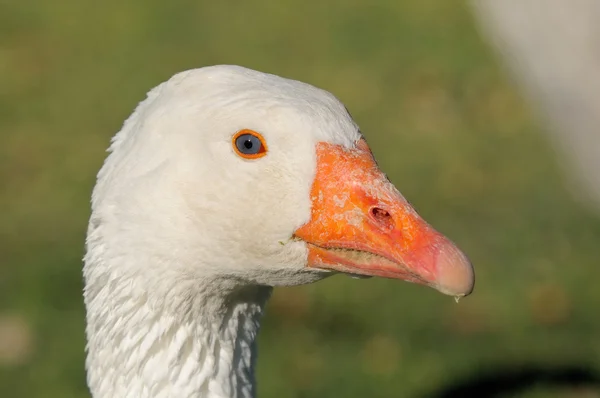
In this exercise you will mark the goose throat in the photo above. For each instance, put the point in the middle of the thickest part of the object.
(203, 346)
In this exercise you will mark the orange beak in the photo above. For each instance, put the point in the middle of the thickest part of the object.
(362, 225)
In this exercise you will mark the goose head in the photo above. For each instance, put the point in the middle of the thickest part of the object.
(227, 180)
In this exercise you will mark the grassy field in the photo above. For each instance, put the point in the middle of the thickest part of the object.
(442, 119)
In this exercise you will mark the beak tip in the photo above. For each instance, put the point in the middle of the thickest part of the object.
(455, 274)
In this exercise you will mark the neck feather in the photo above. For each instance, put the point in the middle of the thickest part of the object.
(152, 344)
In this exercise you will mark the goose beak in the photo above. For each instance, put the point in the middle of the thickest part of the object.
(360, 224)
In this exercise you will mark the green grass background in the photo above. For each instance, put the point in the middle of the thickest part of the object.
(442, 119)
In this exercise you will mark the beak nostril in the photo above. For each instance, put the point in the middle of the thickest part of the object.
(382, 217)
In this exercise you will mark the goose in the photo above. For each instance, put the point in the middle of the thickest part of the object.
(224, 183)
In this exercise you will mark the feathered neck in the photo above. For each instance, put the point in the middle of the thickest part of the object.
(200, 344)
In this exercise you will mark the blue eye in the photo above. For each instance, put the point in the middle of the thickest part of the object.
(249, 144)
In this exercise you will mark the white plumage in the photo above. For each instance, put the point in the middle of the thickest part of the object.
(187, 238)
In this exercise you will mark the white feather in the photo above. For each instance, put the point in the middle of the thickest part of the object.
(184, 238)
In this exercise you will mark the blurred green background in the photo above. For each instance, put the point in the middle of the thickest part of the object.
(443, 121)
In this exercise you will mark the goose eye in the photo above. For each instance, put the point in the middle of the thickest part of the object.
(249, 144)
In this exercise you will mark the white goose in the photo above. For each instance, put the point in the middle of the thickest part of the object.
(224, 183)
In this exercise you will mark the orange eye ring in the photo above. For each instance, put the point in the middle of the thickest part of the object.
(249, 144)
